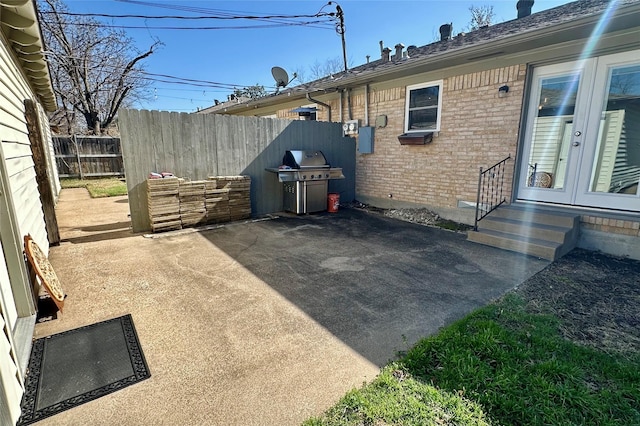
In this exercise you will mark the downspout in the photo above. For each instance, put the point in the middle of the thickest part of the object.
(366, 105)
(327, 106)
(341, 112)
(349, 104)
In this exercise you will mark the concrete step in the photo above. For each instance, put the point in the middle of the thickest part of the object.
(537, 214)
(507, 241)
(535, 230)
(539, 231)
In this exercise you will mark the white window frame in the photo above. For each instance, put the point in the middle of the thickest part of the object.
(438, 83)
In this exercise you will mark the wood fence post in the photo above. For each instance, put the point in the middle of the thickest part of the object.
(75, 144)
(38, 150)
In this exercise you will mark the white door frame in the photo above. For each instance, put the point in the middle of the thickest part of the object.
(566, 194)
(593, 131)
(585, 135)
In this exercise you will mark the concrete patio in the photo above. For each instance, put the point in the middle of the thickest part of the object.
(264, 322)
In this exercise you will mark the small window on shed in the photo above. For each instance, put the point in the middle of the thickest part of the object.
(423, 106)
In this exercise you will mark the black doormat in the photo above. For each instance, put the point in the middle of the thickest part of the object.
(80, 365)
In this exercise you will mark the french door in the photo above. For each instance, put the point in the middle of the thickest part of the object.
(582, 137)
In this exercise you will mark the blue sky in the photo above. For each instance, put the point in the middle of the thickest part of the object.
(242, 57)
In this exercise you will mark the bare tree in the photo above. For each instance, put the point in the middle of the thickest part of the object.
(300, 74)
(318, 69)
(254, 92)
(626, 83)
(330, 66)
(95, 69)
(481, 16)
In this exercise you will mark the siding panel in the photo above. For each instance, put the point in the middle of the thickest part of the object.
(15, 148)
(13, 91)
(8, 369)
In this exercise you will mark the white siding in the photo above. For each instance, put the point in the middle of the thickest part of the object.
(21, 214)
(547, 138)
(608, 142)
(10, 313)
(627, 163)
(15, 145)
(12, 389)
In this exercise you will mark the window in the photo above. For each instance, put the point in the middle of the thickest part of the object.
(424, 102)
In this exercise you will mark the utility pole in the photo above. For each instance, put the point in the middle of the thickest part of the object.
(340, 30)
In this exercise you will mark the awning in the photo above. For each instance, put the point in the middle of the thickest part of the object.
(304, 110)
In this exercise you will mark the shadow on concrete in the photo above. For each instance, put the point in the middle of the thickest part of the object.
(107, 226)
(100, 236)
(376, 283)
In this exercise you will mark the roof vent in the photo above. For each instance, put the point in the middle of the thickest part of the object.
(524, 8)
(385, 54)
(445, 31)
(399, 48)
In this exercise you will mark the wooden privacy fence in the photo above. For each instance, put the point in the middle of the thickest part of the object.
(88, 156)
(197, 146)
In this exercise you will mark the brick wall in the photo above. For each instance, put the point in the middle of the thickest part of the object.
(478, 128)
(287, 114)
(612, 226)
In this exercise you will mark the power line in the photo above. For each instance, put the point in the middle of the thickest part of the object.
(190, 79)
(168, 79)
(173, 89)
(202, 10)
(321, 19)
(230, 17)
(163, 78)
(274, 20)
(309, 24)
(181, 98)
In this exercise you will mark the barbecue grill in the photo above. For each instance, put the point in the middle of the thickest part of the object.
(305, 176)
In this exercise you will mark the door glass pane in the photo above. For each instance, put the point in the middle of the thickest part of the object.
(551, 134)
(616, 166)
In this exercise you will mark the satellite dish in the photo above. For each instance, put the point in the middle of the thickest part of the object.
(281, 76)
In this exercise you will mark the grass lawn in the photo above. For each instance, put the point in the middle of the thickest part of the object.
(502, 365)
(98, 188)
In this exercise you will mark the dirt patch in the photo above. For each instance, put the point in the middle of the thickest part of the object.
(421, 216)
(596, 297)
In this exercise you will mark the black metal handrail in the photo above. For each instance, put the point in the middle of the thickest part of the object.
(533, 174)
(490, 190)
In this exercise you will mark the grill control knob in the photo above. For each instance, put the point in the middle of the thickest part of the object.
(327, 175)
(312, 176)
(304, 176)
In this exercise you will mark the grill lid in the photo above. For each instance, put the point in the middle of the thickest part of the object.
(298, 159)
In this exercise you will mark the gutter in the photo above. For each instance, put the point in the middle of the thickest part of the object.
(492, 47)
(21, 29)
(320, 103)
